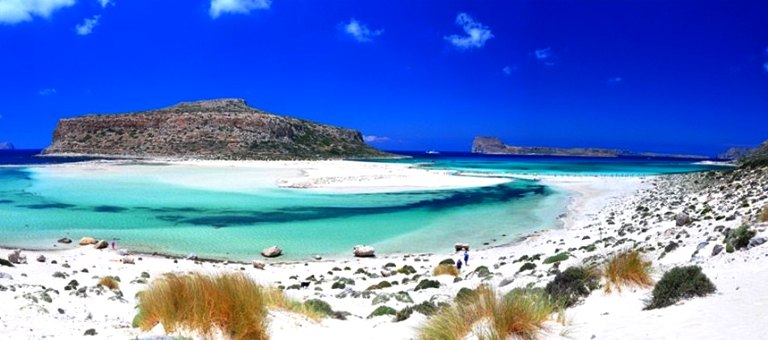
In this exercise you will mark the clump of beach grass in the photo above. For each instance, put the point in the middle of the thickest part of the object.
(627, 268)
(275, 298)
(232, 304)
(109, 282)
(764, 214)
(445, 269)
(521, 313)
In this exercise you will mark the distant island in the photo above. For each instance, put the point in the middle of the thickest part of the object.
(6, 146)
(208, 129)
(495, 146)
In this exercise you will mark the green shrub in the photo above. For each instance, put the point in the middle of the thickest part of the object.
(447, 262)
(4, 262)
(556, 258)
(465, 295)
(741, 236)
(572, 284)
(403, 314)
(319, 306)
(424, 284)
(729, 248)
(426, 307)
(680, 283)
(382, 310)
(527, 266)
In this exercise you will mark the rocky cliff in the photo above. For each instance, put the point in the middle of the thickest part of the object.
(210, 129)
(733, 154)
(757, 158)
(6, 146)
(493, 145)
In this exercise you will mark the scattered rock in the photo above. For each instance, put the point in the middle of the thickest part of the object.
(425, 284)
(259, 264)
(41, 258)
(88, 241)
(682, 219)
(17, 257)
(756, 241)
(191, 256)
(273, 251)
(363, 251)
(127, 260)
(717, 249)
(103, 244)
(64, 240)
(90, 332)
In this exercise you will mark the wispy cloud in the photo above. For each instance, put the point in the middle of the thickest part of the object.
(507, 70)
(16, 11)
(219, 7)
(105, 3)
(615, 80)
(360, 31)
(476, 33)
(88, 25)
(545, 55)
(47, 92)
(375, 139)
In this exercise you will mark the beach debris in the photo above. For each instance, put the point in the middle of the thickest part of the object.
(273, 251)
(259, 264)
(88, 241)
(682, 219)
(41, 258)
(17, 257)
(65, 240)
(461, 246)
(363, 251)
(101, 244)
(127, 260)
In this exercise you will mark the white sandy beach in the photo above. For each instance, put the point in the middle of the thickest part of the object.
(736, 310)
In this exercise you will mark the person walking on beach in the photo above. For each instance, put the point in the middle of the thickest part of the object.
(466, 256)
(458, 264)
(114, 244)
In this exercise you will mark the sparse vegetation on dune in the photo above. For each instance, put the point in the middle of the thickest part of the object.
(109, 282)
(521, 313)
(231, 304)
(627, 268)
(680, 283)
(445, 269)
(572, 284)
(763, 214)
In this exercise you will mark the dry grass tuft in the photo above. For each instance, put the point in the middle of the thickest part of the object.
(627, 268)
(520, 313)
(230, 303)
(275, 298)
(109, 282)
(764, 214)
(445, 269)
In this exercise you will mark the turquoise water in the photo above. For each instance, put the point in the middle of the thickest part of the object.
(181, 210)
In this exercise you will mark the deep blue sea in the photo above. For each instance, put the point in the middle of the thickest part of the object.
(175, 208)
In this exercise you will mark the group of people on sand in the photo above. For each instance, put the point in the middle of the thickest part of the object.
(466, 259)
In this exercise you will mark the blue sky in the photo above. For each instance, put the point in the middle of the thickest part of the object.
(676, 76)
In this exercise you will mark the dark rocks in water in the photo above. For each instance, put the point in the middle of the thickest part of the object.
(208, 129)
(64, 240)
(717, 250)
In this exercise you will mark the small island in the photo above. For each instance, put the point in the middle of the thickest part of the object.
(208, 129)
(495, 146)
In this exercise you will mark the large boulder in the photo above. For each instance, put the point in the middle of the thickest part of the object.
(461, 246)
(102, 244)
(88, 241)
(17, 257)
(273, 251)
(363, 251)
(682, 219)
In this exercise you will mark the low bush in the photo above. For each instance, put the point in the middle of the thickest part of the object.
(382, 310)
(425, 284)
(109, 282)
(680, 283)
(627, 268)
(740, 237)
(573, 283)
(556, 258)
(527, 266)
(445, 269)
(519, 314)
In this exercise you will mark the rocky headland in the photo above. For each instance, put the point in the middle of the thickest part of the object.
(495, 146)
(209, 129)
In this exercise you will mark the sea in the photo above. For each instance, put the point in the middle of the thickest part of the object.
(150, 207)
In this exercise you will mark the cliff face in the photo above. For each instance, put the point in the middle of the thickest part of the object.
(211, 129)
(493, 145)
(736, 153)
(757, 158)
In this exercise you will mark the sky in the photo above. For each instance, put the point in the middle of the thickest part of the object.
(663, 76)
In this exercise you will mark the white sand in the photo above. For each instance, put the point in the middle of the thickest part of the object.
(737, 311)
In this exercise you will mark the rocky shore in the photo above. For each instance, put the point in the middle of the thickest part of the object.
(673, 220)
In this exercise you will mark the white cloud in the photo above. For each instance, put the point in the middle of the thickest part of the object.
(104, 3)
(615, 80)
(88, 25)
(507, 70)
(219, 7)
(360, 32)
(375, 139)
(476, 33)
(16, 11)
(543, 54)
(47, 92)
